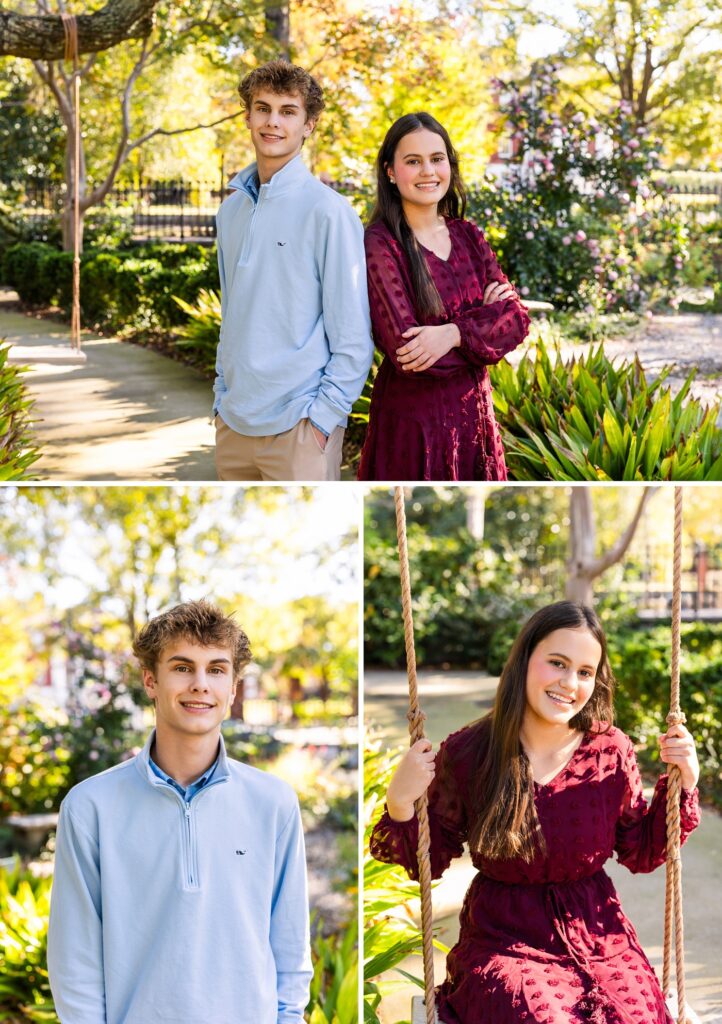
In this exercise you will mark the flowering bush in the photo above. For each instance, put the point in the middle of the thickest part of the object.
(578, 216)
(46, 751)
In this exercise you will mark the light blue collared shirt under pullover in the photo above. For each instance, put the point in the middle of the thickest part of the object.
(296, 331)
(173, 911)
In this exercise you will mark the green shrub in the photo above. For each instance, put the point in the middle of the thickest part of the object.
(463, 612)
(588, 419)
(55, 278)
(641, 660)
(24, 987)
(21, 270)
(17, 451)
(133, 289)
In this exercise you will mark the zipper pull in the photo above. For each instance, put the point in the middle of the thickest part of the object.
(188, 810)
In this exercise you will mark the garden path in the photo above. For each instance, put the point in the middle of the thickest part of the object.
(126, 413)
(686, 341)
(452, 698)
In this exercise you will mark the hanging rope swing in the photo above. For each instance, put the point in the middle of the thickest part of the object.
(424, 1011)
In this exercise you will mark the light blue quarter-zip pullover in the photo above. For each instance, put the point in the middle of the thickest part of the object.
(296, 331)
(168, 910)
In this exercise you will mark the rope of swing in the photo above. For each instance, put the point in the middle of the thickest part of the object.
(673, 921)
(416, 732)
(70, 28)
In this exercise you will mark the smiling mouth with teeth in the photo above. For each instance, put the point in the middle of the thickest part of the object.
(558, 698)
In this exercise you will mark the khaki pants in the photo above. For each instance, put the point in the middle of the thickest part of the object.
(293, 455)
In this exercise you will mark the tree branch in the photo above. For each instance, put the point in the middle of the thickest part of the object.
(42, 37)
(181, 131)
(616, 552)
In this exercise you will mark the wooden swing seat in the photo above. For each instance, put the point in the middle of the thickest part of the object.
(418, 1011)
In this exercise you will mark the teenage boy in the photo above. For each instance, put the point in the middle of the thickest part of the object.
(180, 879)
(295, 346)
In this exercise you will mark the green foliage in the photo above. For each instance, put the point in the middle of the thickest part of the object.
(641, 660)
(24, 987)
(334, 986)
(389, 936)
(17, 451)
(34, 767)
(199, 337)
(463, 610)
(589, 419)
(21, 270)
(135, 288)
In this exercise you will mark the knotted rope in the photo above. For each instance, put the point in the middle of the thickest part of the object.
(416, 731)
(673, 895)
(70, 28)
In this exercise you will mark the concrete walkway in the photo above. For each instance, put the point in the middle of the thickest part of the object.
(126, 413)
(450, 700)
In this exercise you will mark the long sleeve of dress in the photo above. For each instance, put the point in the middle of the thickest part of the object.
(395, 842)
(641, 834)
(392, 306)
(488, 332)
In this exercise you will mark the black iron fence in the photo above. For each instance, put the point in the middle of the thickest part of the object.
(179, 210)
(647, 581)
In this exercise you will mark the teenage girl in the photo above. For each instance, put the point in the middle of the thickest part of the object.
(442, 311)
(544, 790)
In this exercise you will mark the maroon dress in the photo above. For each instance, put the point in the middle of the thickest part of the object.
(437, 424)
(547, 942)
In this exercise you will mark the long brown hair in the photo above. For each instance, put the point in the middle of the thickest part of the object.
(506, 823)
(388, 207)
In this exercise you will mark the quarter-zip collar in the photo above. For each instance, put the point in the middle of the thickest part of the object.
(142, 763)
(292, 175)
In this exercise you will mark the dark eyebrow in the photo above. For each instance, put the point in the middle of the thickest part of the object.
(439, 152)
(285, 106)
(557, 654)
(189, 661)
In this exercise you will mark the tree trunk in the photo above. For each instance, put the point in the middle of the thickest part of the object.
(583, 566)
(42, 37)
(475, 509)
(278, 26)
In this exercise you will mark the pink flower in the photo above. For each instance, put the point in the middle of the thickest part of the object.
(578, 118)
(580, 236)
(597, 268)
(524, 290)
(93, 755)
(567, 240)
(529, 235)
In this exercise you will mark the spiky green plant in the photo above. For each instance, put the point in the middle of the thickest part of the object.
(199, 337)
(589, 419)
(334, 986)
(390, 935)
(17, 451)
(24, 986)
